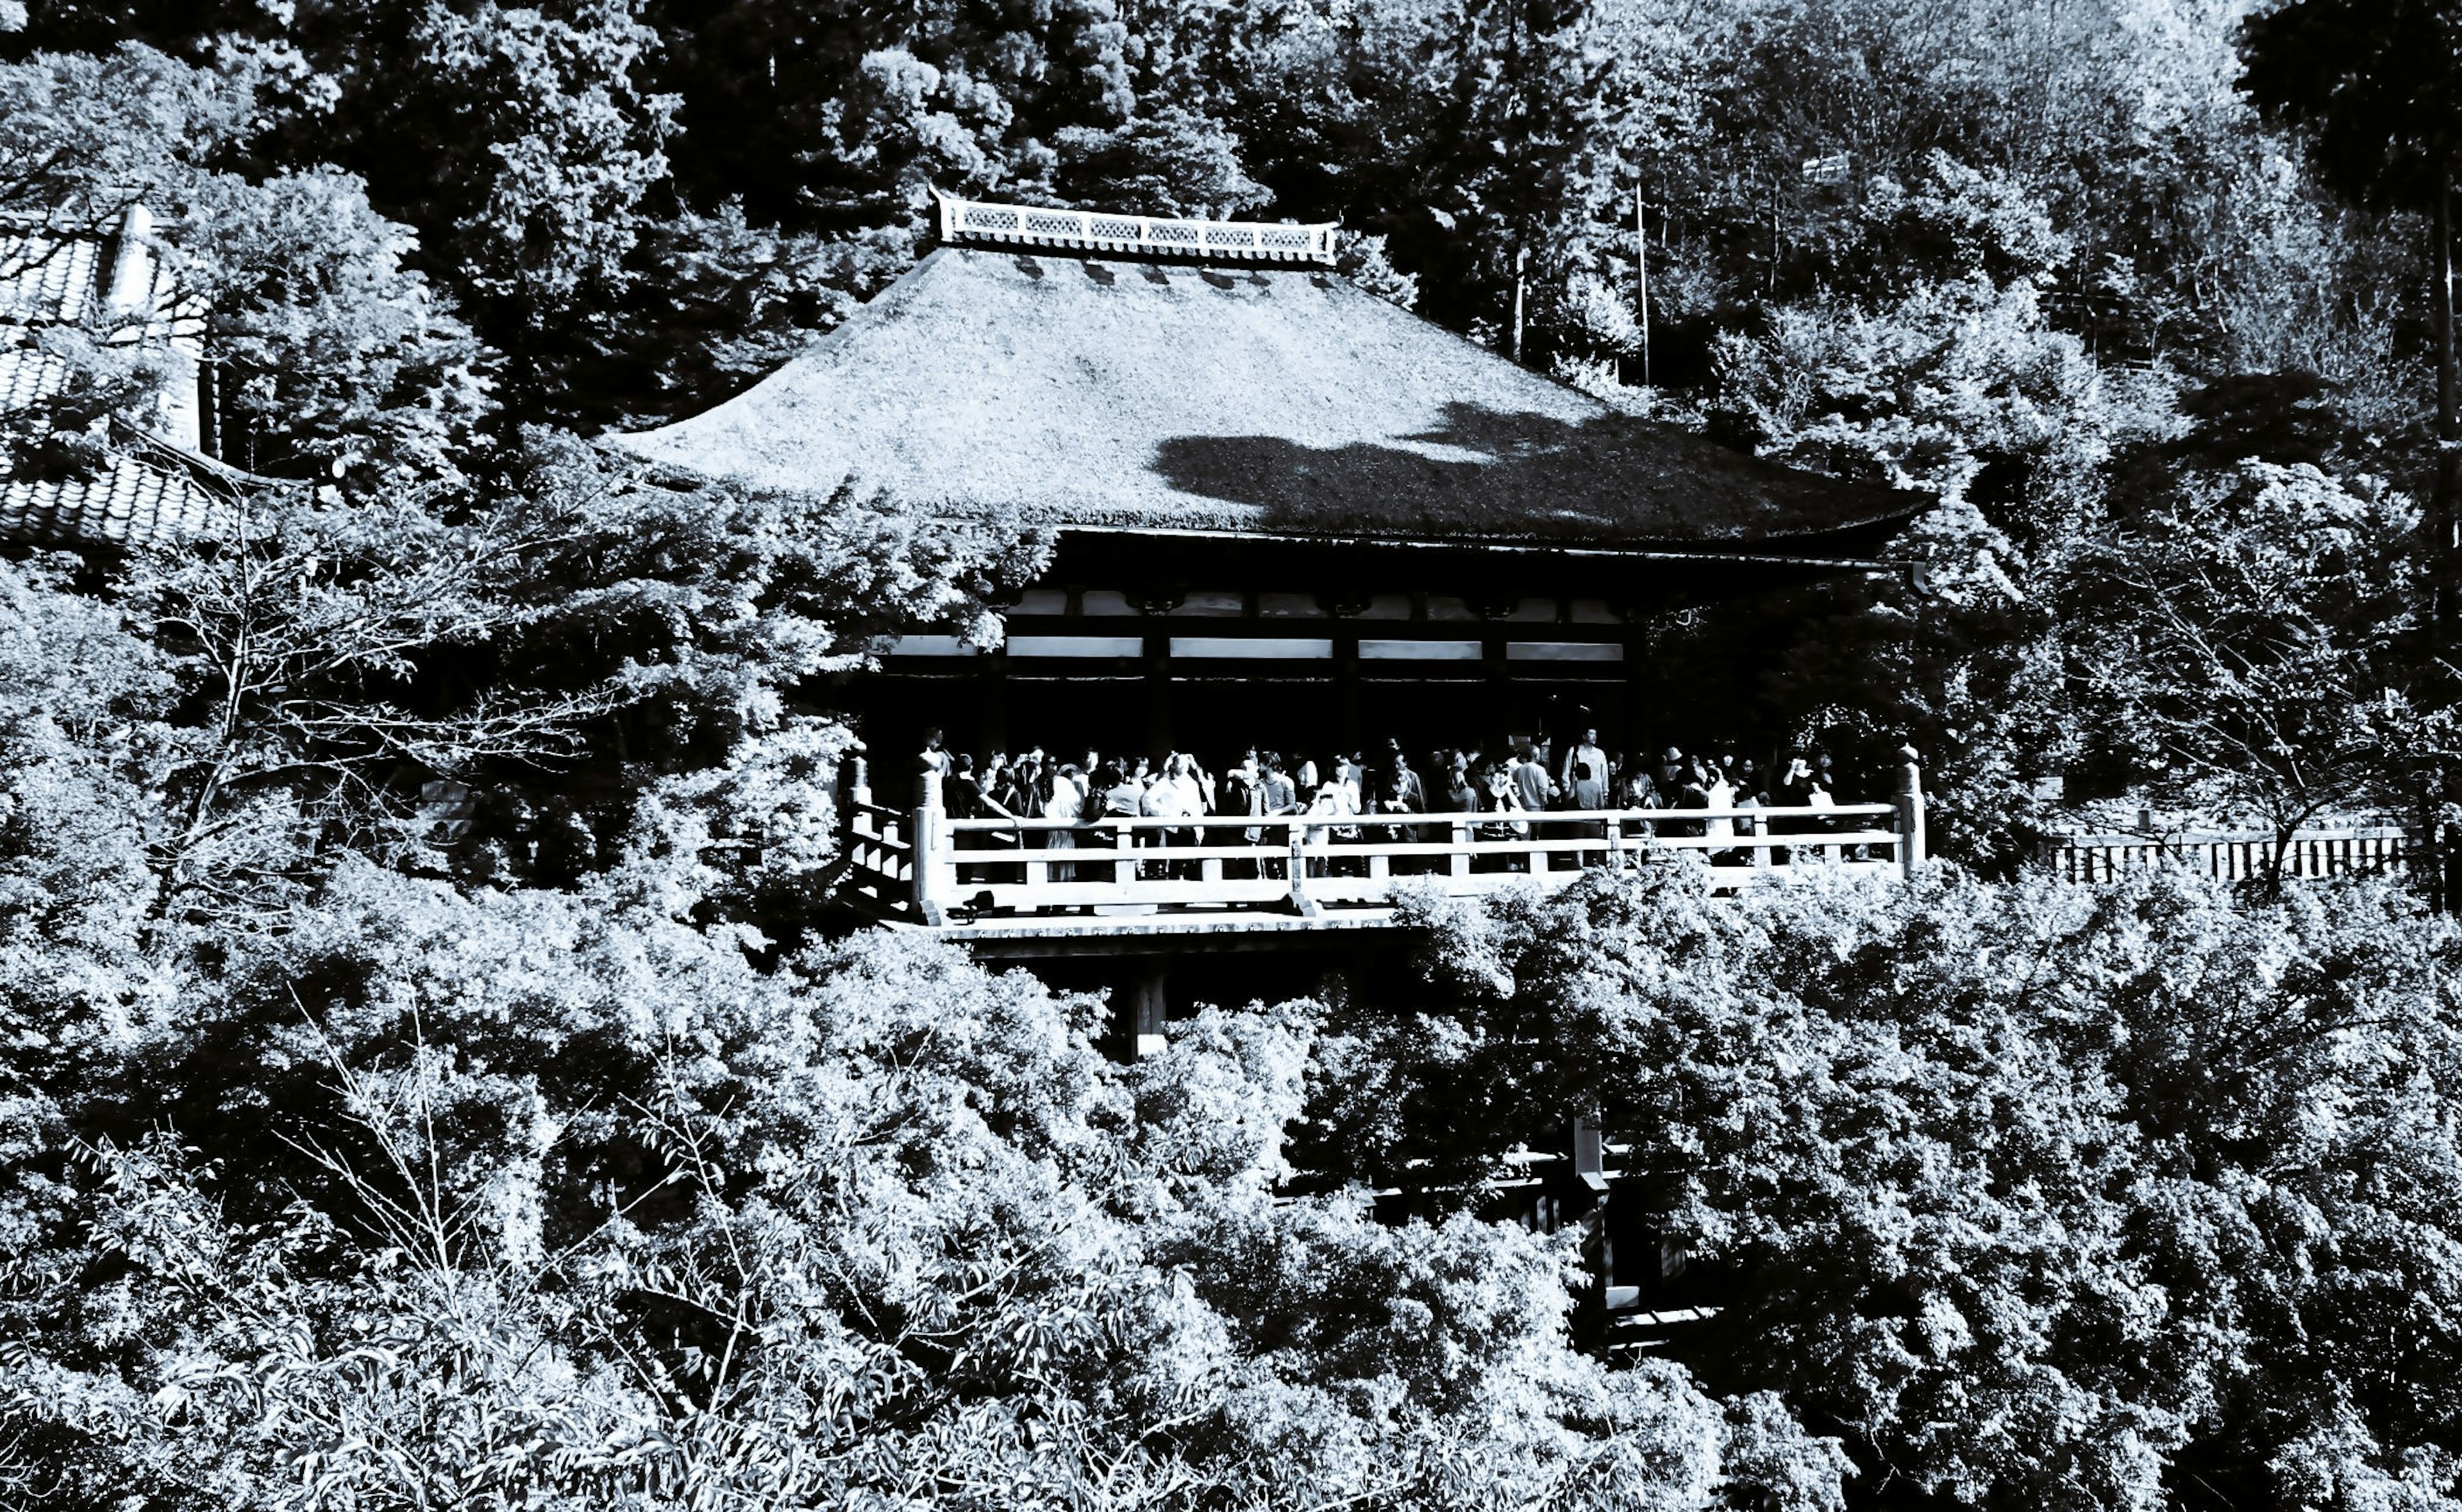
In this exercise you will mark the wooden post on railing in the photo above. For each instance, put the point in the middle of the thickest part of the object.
(856, 819)
(1591, 1154)
(1911, 815)
(1460, 862)
(931, 856)
(1301, 903)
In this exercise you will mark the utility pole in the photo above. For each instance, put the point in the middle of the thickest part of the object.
(2448, 421)
(2442, 512)
(1520, 262)
(1641, 266)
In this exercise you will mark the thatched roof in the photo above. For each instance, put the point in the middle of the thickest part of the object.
(1085, 392)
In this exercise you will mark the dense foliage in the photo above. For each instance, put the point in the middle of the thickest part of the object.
(2005, 257)
(2038, 1197)
(566, 1164)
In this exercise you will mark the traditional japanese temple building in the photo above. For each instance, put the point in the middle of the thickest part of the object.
(1283, 509)
(166, 481)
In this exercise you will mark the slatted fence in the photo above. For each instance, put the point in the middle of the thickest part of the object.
(2350, 850)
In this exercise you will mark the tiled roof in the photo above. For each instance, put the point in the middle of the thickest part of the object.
(133, 501)
(26, 375)
(150, 491)
(46, 277)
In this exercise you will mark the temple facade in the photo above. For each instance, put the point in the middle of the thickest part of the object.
(1282, 510)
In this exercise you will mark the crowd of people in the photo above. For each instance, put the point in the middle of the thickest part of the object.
(1363, 794)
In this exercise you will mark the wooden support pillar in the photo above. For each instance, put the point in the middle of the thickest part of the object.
(858, 778)
(1589, 1154)
(1501, 715)
(1348, 721)
(1149, 1005)
(1635, 729)
(936, 868)
(1159, 734)
(994, 702)
(1911, 816)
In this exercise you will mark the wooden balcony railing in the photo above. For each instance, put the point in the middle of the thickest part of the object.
(922, 866)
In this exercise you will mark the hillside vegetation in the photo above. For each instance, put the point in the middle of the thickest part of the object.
(571, 1165)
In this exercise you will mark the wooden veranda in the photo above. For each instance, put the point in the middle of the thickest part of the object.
(1088, 882)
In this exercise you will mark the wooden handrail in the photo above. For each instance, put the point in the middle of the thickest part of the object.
(922, 864)
(1320, 821)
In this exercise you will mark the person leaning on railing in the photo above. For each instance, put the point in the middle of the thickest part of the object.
(1062, 799)
(1501, 800)
(1585, 789)
(1637, 789)
(1276, 798)
(1116, 795)
(1179, 794)
(1238, 796)
(1399, 792)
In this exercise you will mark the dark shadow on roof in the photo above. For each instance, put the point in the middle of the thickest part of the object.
(1491, 472)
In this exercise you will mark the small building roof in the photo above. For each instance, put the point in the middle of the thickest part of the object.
(150, 488)
(1077, 390)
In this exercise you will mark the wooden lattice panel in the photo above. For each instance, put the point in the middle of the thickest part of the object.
(1148, 235)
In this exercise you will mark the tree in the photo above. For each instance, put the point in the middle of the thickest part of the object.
(2380, 88)
(340, 363)
(2036, 1195)
(878, 1225)
(1959, 390)
(2249, 632)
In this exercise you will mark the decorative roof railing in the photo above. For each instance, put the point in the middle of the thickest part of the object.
(1145, 235)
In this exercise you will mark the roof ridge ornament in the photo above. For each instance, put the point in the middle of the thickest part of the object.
(976, 221)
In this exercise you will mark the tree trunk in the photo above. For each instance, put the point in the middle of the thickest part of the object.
(2442, 501)
(2449, 424)
(1641, 277)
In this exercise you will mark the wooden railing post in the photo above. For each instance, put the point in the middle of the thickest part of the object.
(1911, 815)
(856, 820)
(1590, 1154)
(1301, 903)
(931, 855)
(1458, 863)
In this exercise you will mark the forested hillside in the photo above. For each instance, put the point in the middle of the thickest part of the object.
(571, 1165)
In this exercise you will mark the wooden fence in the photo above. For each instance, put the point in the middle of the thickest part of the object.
(2361, 849)
(922, 866)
